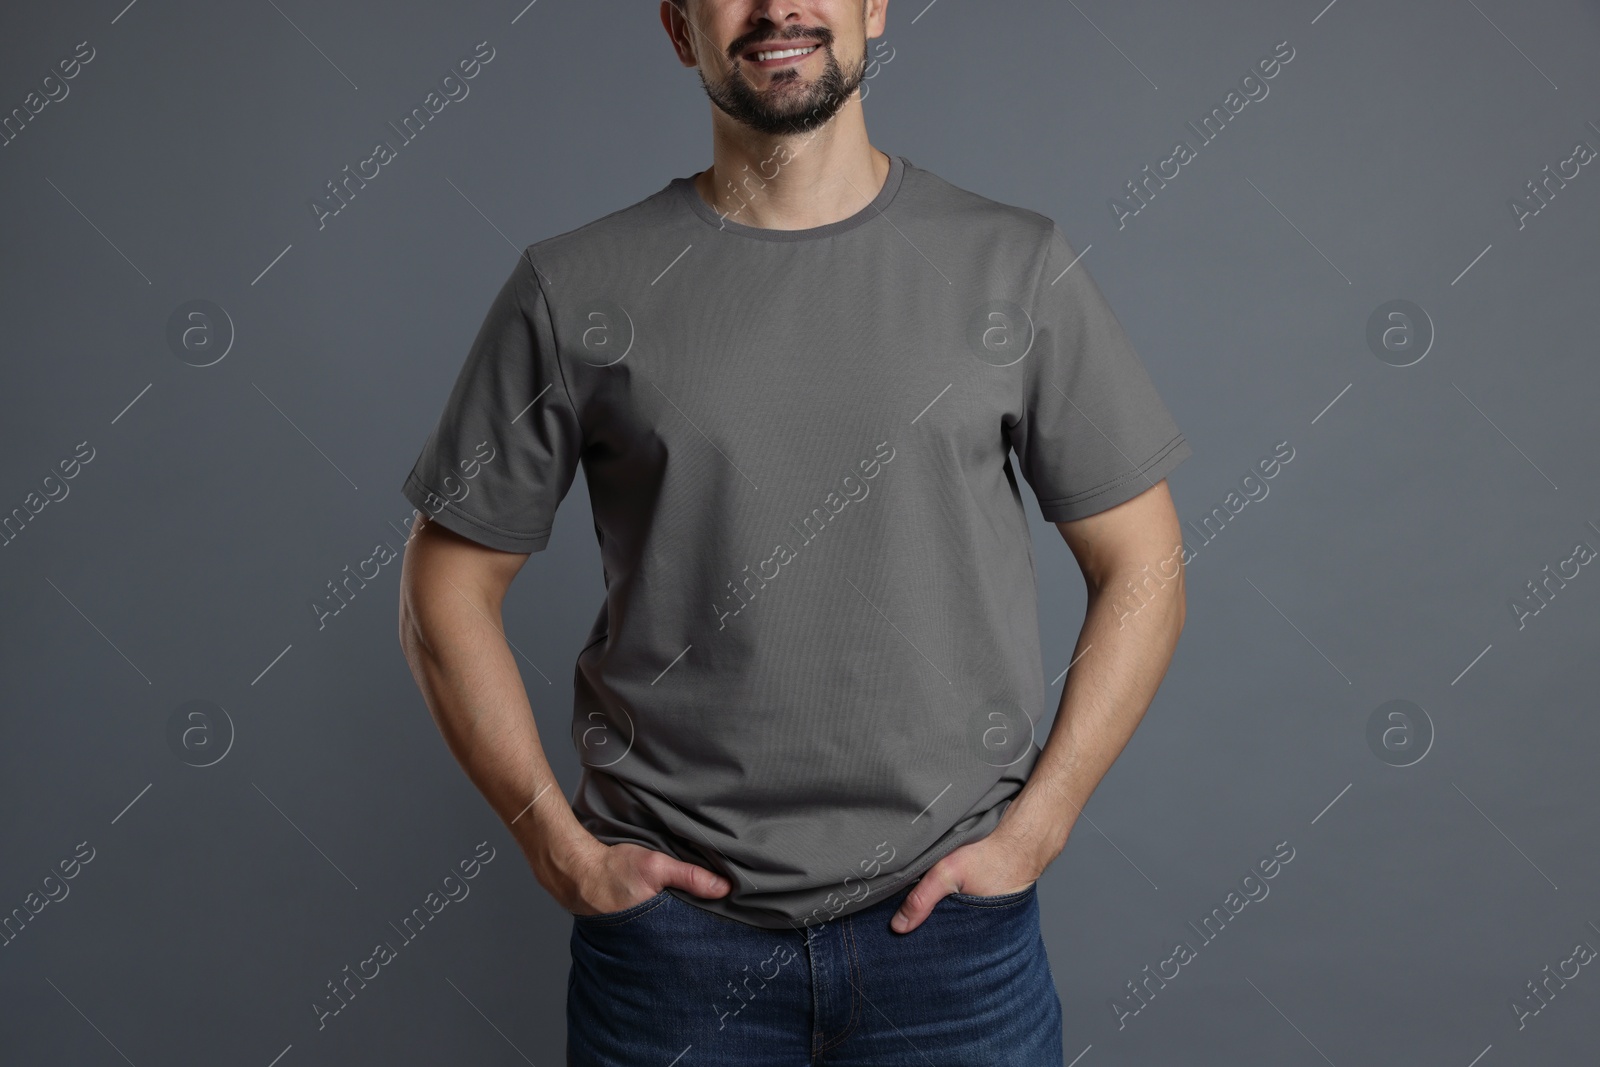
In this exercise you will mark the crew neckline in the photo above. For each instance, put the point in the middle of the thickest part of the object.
(709, 215)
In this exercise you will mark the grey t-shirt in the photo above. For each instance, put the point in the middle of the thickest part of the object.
(817, 666)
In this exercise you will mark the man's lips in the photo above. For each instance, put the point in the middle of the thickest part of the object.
(780, 46)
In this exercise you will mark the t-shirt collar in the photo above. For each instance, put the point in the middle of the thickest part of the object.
(708, 214)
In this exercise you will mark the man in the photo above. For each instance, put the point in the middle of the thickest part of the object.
(813, 810)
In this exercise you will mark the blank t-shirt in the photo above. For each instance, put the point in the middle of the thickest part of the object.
(816, 669)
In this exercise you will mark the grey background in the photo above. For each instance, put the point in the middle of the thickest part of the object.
(1381, 566)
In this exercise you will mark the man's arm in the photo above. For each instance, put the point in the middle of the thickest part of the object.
(451, 591)
(1131, 557)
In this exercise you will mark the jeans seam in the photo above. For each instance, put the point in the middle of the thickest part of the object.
(848, 938)
(626, 915)
(989, 907)
(1001, 900)
(818, 994)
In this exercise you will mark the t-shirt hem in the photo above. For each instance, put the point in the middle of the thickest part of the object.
(771, 920)
(1093, 501)
(455, 520)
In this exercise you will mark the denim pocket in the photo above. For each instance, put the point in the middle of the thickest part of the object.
(1001, 901)
(628, 913)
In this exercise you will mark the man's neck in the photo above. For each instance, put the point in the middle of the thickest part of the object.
(793, 183)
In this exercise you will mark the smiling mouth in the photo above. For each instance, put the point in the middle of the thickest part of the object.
(770, 55)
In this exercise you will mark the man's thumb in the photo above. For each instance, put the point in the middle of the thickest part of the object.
(697, 880)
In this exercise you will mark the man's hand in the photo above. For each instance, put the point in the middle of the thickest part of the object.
(452, 589)
(1006, 861)
(1131, 627)
(595, 878)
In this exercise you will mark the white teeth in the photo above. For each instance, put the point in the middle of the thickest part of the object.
(762, 57)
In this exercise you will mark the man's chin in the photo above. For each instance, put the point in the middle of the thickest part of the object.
(796, 120)
(785, 108)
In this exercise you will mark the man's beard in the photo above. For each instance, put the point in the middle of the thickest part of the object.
(796, 112)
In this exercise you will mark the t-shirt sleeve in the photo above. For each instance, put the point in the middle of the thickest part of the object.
(504, 451)
(1093, 432)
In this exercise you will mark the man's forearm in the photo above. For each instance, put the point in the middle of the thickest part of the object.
(461, 661)
(1119, 661)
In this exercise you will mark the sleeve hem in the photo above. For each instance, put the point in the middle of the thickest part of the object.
(1120, 490)
(457, 521)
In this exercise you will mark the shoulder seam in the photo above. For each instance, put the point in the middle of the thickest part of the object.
(1030, 379)
(555, 356)
(1043, 254)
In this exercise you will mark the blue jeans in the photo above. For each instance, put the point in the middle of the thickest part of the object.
(667, 983)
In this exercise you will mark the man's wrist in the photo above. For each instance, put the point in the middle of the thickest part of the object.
(556, 844)
(1039, 828)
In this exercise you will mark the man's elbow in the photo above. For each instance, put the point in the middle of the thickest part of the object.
(450, 582)
(412, 632)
